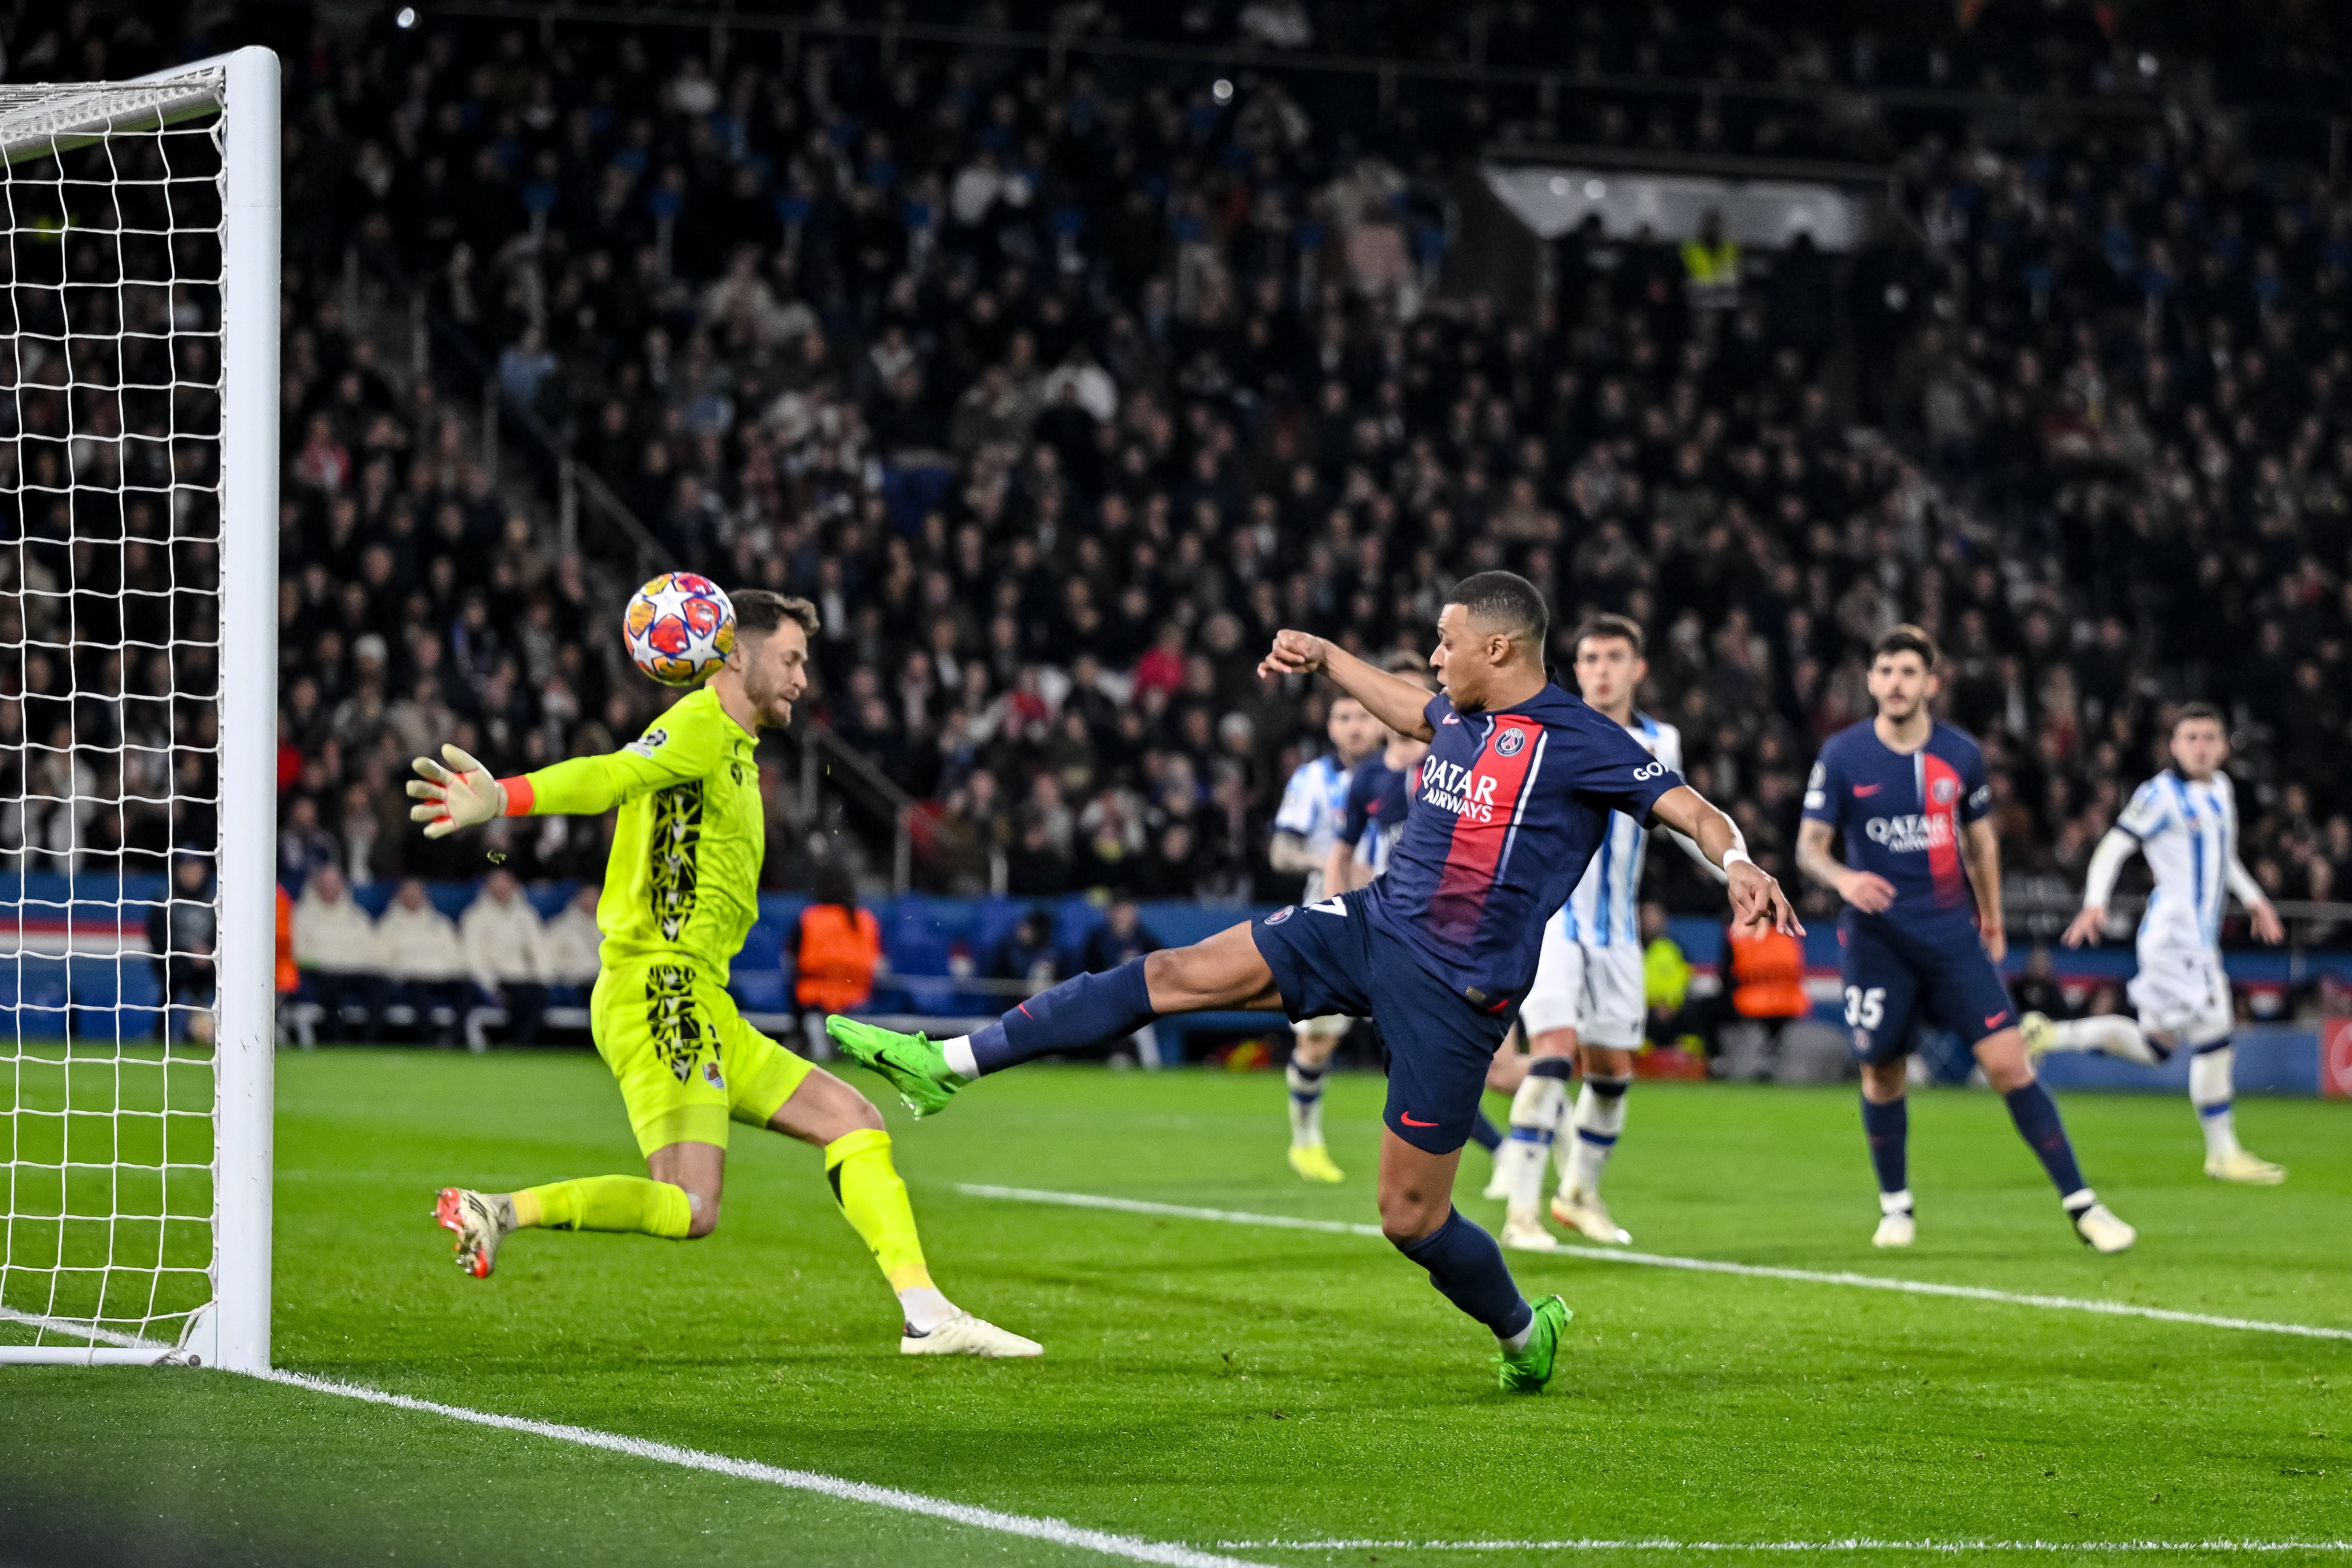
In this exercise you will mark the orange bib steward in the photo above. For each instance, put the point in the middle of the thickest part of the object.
(839, 949)
(1768, 976)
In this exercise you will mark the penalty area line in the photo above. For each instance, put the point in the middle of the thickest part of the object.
(1690, 1264)
(1134, 1548)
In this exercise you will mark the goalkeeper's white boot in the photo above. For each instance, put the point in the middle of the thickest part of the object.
(2101, 1231)
(482, 1220)
(2237, 1166)
(964, 1334)
(1582, 1211)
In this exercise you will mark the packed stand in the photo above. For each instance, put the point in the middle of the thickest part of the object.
(1057, 396)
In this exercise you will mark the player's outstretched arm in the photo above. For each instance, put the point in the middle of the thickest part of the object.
(1756, 896)
(1865, 890)
(2098, 885)
(1392, 699)
(2259, 911)
(464, 795)
(1980, 848)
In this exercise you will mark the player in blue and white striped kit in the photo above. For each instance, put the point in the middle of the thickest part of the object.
(1306, 824)
(2185, 820)
(1586, 1008)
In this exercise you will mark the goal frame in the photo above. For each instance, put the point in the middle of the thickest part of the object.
(231, 1331)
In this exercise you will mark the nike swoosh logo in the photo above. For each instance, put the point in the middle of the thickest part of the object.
(1866, 789)
(1996, 1018)
(1408, 1121)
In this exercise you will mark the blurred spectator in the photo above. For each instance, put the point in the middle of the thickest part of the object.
(341, 961)
(423, 960)
(1119, 938)
(2036, 989)
(570, 946)
(1675, 1017)
(181, 931)
(506, 948)
(1026, 952)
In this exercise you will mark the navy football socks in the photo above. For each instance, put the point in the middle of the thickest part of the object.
(1468, 1270)
(1083, 1011)
(1888, 1128)
(2036, 1115)
(1484, 1133)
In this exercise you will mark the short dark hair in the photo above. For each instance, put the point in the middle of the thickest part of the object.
(1904, 638)
(1606, 625)
(758, 611)
(1507, 600)
(2189, 711)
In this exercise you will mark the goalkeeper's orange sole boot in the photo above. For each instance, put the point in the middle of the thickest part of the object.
(479, 1225)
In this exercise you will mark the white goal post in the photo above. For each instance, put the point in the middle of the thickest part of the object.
(138, 467)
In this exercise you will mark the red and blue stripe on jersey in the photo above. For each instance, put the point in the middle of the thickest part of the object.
(1509, 808)
(1902, 812)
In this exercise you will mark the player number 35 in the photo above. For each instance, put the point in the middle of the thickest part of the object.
(1864, 1010)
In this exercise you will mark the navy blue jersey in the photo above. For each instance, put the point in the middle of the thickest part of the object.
(1509, 809)
(1901, 813)
(1378, 798)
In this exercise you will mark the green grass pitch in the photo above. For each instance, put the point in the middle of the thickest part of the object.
(1207, 1382)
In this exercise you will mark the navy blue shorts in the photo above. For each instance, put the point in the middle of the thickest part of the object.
(1895, 978)
(1439, 1045)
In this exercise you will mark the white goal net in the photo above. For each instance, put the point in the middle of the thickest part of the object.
(137, 587)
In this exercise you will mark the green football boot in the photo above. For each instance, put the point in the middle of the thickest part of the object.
(1528, 1372)
(914, 1065)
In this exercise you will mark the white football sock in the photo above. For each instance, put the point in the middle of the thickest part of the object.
(1513, 1344)
(1894, 1202)
(960, 1060)
(1535, 1120)
(925, 1308)
(1599, 1118)
(2110, 1033)
(2209, 1072)
(1306, 1104)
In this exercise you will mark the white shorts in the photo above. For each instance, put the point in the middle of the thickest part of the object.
(1595, 990)
(2183, 992)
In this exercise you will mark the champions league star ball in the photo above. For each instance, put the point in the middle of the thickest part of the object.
(680, 627)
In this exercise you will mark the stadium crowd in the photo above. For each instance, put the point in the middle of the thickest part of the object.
(1058, 395)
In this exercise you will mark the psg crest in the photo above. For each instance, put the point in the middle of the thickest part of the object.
(1943, 790)
(1281, 914)
(1508, 743)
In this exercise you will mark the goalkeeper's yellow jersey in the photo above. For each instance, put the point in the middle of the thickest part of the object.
(683, 880)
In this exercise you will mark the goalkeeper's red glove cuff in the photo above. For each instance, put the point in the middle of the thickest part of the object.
(520, 798)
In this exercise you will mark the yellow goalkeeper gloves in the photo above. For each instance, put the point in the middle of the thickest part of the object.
(462, 794)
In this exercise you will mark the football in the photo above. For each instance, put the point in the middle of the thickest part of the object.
(680, 627)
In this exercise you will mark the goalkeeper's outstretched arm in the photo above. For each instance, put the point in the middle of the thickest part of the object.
(462, 794)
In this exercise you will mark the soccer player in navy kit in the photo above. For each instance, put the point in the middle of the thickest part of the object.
(1512, 799)
(1910, 793)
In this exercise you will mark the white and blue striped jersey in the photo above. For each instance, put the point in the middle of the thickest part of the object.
(1314, 802)
(1605, 908)
(2188, 831)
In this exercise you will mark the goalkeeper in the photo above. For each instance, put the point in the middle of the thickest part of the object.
(681, 890)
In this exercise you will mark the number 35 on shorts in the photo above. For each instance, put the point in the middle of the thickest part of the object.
(1865, 1009)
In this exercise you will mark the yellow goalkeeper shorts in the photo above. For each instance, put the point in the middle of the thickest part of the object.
(687, 1062)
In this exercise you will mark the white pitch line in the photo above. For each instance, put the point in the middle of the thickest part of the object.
(1948, 1548)
(1135, 1548)
(80, 1328)
(1693, 1265)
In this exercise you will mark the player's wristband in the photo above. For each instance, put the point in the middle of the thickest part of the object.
(1735, 856)
(520, 797)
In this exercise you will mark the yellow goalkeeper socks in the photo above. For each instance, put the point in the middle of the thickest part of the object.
(874, 1200)
(607, 1203)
